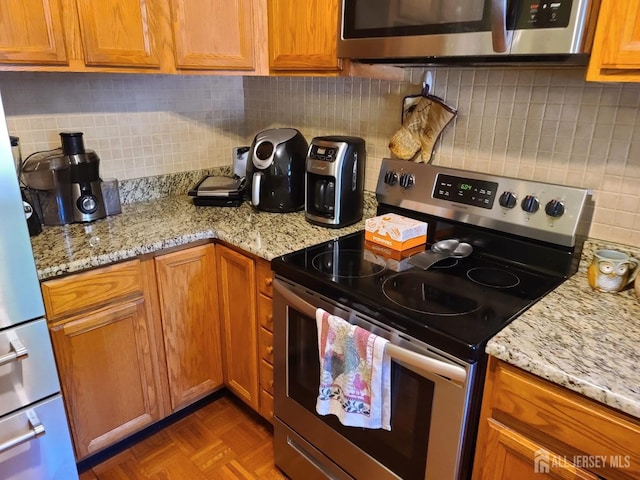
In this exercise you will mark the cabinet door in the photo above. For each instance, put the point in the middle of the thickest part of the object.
(214, 35)
(31, 32)
(106, 374)
(510, 455)
(237, 288)
(121, 32)
(616, 46)
(190, 324)
(303, 35)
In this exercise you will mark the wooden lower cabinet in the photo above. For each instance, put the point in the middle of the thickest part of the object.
(265, 329)
(513, 456)
(190, 324)
(139, 340)
(533, 429)
(135, 342)
(104, 360)
(237, 291)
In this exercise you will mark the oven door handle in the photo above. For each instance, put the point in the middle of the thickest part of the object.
(419, 363)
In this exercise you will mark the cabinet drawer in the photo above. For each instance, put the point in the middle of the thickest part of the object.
(91, 289)
(264, 277)
(563, 420)
(266, 376)
(266, 405)
(265, 312)
(266, 345)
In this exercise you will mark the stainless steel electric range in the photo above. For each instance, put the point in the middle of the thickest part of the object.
(526, 239)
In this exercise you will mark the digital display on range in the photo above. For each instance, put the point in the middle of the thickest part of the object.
(469, 191)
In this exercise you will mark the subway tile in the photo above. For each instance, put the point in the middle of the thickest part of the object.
(547, 124)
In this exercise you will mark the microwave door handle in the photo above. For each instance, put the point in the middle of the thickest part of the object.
(419, 362)
(499, 25)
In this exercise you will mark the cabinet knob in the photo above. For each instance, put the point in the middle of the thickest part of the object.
(268, 281)
(270, 318)
(270, 349)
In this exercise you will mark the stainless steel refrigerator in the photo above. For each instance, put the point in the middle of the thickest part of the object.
(34, 435)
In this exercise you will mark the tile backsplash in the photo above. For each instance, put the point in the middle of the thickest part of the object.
(542, 124)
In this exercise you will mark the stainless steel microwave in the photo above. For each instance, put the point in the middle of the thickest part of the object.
(405, 31)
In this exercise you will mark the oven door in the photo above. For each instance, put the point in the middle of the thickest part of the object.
(429, 401)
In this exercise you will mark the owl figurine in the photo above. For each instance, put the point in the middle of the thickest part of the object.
(608, 276)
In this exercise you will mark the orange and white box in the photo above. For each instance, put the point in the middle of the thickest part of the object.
(395, 231)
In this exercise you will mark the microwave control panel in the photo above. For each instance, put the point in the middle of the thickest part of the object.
(543, 14)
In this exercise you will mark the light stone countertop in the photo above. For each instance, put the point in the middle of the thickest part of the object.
(578, 338)
(575, 337)
(149, 226)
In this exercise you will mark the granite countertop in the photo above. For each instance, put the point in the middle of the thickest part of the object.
(149, 226)
(581, 339)
(575, 337)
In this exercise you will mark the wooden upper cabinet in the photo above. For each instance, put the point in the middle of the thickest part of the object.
(615, 55)
(216, 35)
(121, 32)
(303, 35)
(31, 32)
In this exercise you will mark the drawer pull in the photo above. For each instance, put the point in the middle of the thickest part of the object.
(268, 282)
(17, 352)
(36, 429)
(269, 350)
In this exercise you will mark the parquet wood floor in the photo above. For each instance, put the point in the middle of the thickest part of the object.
(222, 440)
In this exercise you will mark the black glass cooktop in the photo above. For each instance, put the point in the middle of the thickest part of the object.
(455, 305)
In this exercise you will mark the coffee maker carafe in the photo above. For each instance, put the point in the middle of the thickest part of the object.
(84, 165)
(334, 181)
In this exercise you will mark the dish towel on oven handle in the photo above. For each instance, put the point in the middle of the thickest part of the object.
(354, 374)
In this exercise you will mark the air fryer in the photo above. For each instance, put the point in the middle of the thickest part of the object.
(276, 170)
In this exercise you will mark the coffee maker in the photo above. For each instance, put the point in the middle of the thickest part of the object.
(84, 165)
(334, 183)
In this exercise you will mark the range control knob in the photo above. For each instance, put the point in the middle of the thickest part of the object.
(508, 200)
(530, 204)
(390, 177)
(406, 180)
(554, 208)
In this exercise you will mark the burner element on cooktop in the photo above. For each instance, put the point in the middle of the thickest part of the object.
(417, 292)
(493, 277)
(347, 264)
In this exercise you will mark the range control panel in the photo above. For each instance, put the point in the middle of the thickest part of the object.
(544, 211)
(470, 191)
